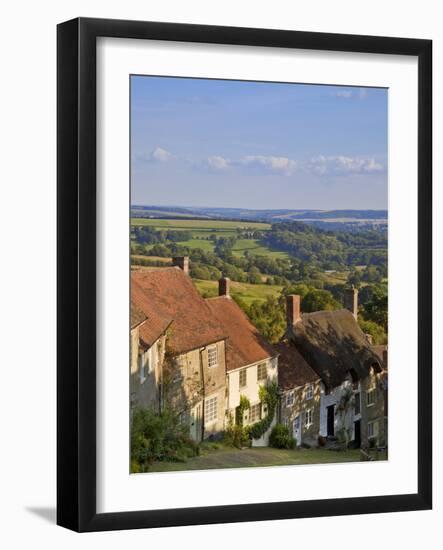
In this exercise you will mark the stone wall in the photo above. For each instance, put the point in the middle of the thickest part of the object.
(306, 434)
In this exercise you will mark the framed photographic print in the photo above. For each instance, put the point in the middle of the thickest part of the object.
(244, 274)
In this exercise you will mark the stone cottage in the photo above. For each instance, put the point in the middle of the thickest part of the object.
(334, 346)
(251, 362)
(300, 394)
(189, 343)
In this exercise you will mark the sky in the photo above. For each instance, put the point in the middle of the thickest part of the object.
(258, 145)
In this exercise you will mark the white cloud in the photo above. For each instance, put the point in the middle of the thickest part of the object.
(160, 155)
(218, 163)
(283, 165)
(346, 94)
(342, 165)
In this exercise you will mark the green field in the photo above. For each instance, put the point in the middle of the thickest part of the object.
(227, 457)
(247, 292)
(207, 225)
(253, 246)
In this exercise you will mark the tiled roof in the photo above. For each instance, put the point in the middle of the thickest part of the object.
(137, 315)
(334, 345)
(168, 297)
(245, 345)
(293, 370)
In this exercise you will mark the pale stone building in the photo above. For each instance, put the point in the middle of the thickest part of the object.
(334, 346)
(251, 362)
(186, 346)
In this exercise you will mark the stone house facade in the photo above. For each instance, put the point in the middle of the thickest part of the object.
(251, 362)
(300, 388)
(333, 345)
(189, 345)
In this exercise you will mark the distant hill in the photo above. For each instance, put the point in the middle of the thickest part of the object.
(316, 217)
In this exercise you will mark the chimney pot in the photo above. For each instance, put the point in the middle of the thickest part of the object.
(351, 301)
(223, 286)
(182, 262)
(292, 309)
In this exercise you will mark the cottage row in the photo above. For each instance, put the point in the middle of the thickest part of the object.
(201, 357)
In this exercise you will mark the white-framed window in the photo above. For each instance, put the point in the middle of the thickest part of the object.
(211, 409)
(212, 356)
(242, 378)
(308, 418)
(309, 392)
(371, 395)
(255, 413)
(141, 367)
(357, 403)
(372, 429)
(262, 372)
(290, 399)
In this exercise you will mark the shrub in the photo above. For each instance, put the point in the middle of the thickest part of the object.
(281, 438)
(237, 436)
(159, 437)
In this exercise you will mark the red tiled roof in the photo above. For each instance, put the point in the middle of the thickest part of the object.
(168, 296)
(245, 345)
(293, 370)
(137, 315)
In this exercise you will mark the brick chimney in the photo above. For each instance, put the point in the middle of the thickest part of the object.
(182, 262)
(350, 301)
(292, 309)
(223, 286)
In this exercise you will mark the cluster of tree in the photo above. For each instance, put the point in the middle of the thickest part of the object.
(328, 249)
(147, 235)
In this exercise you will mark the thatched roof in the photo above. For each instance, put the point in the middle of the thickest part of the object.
(333, 344)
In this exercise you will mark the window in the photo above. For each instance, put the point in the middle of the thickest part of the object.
(357, 403)
(309, 392)
(141, 368)
(242, 378)
(308, 418)
(262, 372)
(371, 429)
(212, 357)
(290, 399)
(371, 397)
(211, 409)
(255, 413)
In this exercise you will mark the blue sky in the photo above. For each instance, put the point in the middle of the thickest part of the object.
(198, 142)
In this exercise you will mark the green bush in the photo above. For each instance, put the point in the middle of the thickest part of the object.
(159, 437)
(281, 438)
(237, 436)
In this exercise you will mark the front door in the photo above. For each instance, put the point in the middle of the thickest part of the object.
(297, 430)
(331, 417)
(196, 423)
(357, 434)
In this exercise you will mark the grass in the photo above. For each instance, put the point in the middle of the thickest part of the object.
(199, 224)
(227, 457)
(247, 292)
(254, 247)
(207, 246)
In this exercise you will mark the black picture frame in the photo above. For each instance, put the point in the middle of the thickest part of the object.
(76, 291)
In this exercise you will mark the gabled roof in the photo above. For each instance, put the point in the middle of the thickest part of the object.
(293, 370)
(137, 315)
(334, 345)
(245, 345)
(168, 297)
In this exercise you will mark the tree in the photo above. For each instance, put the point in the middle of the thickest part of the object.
(318, 300)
